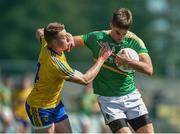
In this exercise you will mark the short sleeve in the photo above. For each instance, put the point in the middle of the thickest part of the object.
(65, 71)
(90, 39)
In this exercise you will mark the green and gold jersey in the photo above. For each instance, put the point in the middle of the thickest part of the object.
(52, 71)
(111, 81)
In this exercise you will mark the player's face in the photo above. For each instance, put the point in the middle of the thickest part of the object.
(118, 34)
(62, 41)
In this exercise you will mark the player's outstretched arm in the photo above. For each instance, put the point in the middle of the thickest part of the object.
(76, 42)
(87, 78)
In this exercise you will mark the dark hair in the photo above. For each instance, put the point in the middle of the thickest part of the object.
(51, 31)
(122, 18)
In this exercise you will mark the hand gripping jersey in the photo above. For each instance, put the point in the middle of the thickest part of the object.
(52, 71)
(111, 81)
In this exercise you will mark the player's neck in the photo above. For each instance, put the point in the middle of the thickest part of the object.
(59, 52)
(55, 50)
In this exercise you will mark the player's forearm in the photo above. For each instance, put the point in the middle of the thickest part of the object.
(78, 41)
(87, 78)
(142, 67)
(93, 71)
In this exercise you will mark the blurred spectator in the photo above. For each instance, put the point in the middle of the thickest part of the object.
(18, 104)
(156, 101)
(6, 114)
(90, 116)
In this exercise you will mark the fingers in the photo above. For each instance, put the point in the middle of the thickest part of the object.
(71, 42)
(105, 52)
(106, 49)
(123, 52)
(106, 44)
(109, 49)
(117, 59)
(122, 58)
(40, 31)
(39, 34)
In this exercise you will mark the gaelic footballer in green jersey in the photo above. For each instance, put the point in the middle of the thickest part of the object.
(120, 100)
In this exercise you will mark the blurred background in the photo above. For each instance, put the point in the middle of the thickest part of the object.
(157, 22)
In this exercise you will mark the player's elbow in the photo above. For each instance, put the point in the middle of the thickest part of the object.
(80, 78)
(86, 81)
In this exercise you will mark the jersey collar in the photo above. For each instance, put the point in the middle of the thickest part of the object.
(54, 51)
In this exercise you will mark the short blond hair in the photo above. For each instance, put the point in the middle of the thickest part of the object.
(51, 31)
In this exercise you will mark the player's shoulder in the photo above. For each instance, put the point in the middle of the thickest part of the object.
(98, 34)
(132, 36)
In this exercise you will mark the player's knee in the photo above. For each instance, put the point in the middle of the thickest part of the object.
(124, 130)
(142, 124)
(119, 125)
(146, 129)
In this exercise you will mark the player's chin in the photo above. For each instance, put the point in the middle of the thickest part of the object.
(66, 49)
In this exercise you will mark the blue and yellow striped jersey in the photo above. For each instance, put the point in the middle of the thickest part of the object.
(52, 71)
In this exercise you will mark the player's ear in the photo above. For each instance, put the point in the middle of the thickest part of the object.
(54, 42)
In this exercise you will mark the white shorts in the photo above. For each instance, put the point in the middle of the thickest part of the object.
(124, 107)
